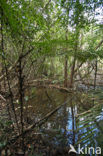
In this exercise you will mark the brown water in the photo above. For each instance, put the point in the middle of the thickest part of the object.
(64, 127)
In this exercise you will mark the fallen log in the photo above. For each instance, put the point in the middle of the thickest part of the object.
(36, 124)
(58, 87)
(47, 85)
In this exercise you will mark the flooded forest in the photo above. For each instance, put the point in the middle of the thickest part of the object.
(51, 77)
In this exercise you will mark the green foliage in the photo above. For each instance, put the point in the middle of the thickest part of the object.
(43, 24)
(89, 127)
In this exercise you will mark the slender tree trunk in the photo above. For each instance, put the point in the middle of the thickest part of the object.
(74, 59)
(72, 73)
(66, 72)
(7, 74)
(21, 97)
(95, 77)
(66, 63)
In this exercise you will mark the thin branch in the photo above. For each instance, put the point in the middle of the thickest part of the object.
(100, 43)
(36, 124)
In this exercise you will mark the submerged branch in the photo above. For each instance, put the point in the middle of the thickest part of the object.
(36, 124)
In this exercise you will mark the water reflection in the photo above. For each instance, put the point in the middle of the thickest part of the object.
(64, 127)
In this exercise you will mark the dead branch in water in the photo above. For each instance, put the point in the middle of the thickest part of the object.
(47, 84)
(36, 124)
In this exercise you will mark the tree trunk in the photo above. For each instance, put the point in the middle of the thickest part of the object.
(72, 73)
(66, 72)
(95, 77)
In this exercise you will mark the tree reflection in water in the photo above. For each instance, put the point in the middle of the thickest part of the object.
(64, 127)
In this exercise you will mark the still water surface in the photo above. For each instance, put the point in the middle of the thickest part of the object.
(80, 121)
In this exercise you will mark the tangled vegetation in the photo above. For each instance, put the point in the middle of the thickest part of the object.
(54, 44)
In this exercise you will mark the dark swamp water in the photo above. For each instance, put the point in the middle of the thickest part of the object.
(79, 122)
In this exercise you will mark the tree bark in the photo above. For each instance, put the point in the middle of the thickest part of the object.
(96, 68)
(72, 73)
(66, 72)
